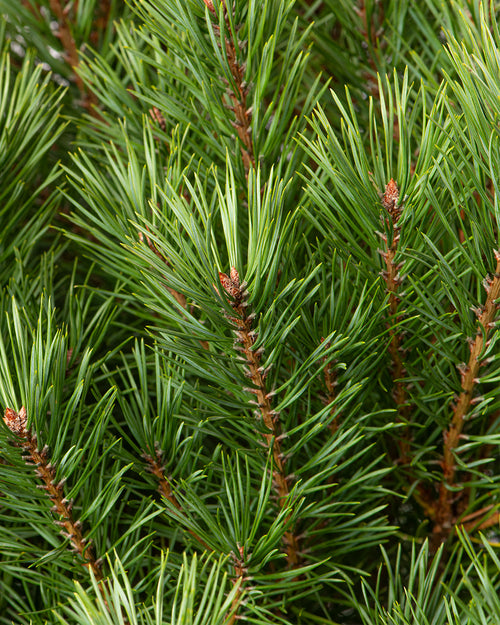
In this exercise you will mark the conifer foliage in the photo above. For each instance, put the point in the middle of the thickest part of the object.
(250, 290)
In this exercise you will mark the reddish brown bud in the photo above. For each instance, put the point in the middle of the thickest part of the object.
(16, 422)
(390, 200)
(235, 276)
(225, 281)
(231, 284)
(391, 195)
(210, 6)
(157, 116)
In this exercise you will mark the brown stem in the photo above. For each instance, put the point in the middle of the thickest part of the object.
(372, 32)
(157, 116)
(34, 10)
(240, 574)
(245, 340)
(237, 97)
(62, 507)
(239, 106)
(100, 21)
(155, 465)
(469, 379)
(181, 299)
(157, 468)
(393, 282)
(330, 378)
(68, 42)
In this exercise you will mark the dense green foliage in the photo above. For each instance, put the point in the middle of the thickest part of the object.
(250, 268)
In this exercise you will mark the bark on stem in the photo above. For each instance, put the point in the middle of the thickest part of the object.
(155, 465)
(65, 35)
(469, 379)
(245, 341)
(237, 97)
(240, 575)
(62, 507)
(393, 280)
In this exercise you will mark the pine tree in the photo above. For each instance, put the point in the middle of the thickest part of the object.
(250, 279)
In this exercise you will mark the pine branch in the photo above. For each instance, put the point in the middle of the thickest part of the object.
(469, 373)
(100, 20)
(241, 573)
(65, 35)
(372, 19)
(330, 379)
(245, 339)
(157, 116)
(68, 42)
(71, 529)
(181, 299)
(393, 280)
(156, 467)
(238, 97)
(480, 519)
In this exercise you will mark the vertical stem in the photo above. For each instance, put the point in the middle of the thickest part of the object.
(372, 19)
(393, 281)
(245, 340)
(469, 379)
(70, 529)
(68, 42)
(155, 465)
(330, 384)
(238, 98)
(240, 574)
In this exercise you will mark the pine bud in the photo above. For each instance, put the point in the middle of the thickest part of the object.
(16, 421)
(210, 6)
(157, 116)
(390, 200)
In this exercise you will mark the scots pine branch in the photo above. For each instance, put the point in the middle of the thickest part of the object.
(238, 92)
(393, 280)
(240, 574)
(45, 471)
(157, 468)
(469, 372)
(330, 379)
(373, 24)
(481, 519)
(181, 299)
(65, 34)
(246, 336)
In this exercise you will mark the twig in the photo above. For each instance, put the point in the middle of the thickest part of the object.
(68, 42)
(393, 280)
(181, 299)
(240, 574)
(156, 467)
(330, 378)
(62, 507)
(477, 521)
(100, 21)
(372, 30)
(238, 98)
(469, 379)
(244, 343)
